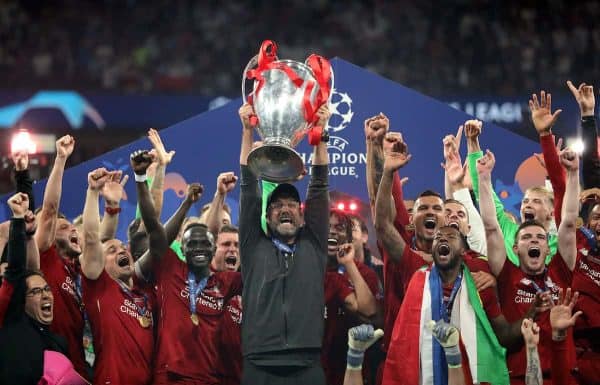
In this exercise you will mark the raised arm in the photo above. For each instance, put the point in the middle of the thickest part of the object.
(92, 260)
(173, 225)
(531, 335)
(16, 255)
(493, 234)
(140, 161)
(49, 214)
(387, 234)
(543, 119)
(33, 252)
(376, 129)
(112, 192)
(162, 159)
(567, 242)
(245, 112)
(362, 300)
(225, 184)
(316, 209)
(590, 165)
(22, 177)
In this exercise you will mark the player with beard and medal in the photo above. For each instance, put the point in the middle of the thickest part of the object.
(348, 296)
(120, 301)
(60, 248)
(532, 282)
(445, 292)
(190, 298)
(283, 271)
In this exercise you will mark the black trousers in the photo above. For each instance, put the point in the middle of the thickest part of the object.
(282, 375)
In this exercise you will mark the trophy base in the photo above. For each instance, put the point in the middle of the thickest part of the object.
(276, 163)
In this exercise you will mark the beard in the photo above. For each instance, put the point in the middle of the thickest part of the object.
(284, 230)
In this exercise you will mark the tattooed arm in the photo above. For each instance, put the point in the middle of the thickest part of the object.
(531, 335)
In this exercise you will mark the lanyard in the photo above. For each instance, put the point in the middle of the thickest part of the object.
(285, 249)
(537, 288)
(447, 305)
(591, 239)
(141, 310)
(195, 289)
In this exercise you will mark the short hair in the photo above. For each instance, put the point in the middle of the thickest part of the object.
(529, 224)
(429, 193)
(463, 237)
(196, 224)
(228, 229)
(451, 200)
(544, 191)
(345, 220)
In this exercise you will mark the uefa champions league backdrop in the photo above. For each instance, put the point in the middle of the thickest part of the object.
(209, 143)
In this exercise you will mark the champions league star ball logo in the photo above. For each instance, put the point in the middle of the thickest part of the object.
(341, 111)
(341, 162)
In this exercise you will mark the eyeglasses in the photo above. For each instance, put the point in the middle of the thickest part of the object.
(293, 205)
(37, 291)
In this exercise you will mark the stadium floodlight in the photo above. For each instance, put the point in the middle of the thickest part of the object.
(22, 141)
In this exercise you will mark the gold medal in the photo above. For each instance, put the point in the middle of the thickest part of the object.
(195, 319)
(144, 321)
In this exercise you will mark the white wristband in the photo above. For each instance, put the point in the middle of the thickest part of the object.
(140, 178)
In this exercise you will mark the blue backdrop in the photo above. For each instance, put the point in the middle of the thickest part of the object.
(209, 143)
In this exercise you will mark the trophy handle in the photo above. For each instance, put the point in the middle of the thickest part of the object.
(252, 63)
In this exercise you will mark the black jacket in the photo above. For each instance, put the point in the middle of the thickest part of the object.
(283, 295)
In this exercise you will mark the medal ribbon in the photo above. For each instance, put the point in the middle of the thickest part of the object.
(195, 289)
(140, 310)
(537, 288)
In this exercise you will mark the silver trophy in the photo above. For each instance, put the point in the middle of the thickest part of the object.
(281, 93)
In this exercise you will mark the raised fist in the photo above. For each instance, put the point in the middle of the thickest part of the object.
(140, 161)
(194, 192)
(98, 178)
(19, 204)
(64, 146)
(473, 128)
(531, 332)
(246, 111)
(569, 159)
(226, 182)
(21, 160)
(376, 127)
(395, 152)
(363, 336)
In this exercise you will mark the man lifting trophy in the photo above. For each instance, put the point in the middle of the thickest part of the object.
(283, 269)
(286, 95)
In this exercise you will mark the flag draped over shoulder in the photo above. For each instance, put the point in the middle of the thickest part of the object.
(411, 359)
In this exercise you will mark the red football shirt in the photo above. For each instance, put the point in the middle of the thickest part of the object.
(586, 280)
(517, 293)
(182, 347)
(337, 327)
(396, 278)
(337, 288)
(6, 292)
(68, 306)
(123, 348)
(230, 343)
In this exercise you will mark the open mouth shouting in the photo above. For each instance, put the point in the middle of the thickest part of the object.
(231, 262)
(123, 260)
(528, 215)
(534, 252)
(454, 224)
(332, 245)
(46, 311)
